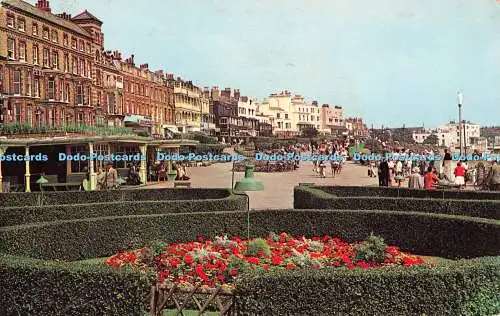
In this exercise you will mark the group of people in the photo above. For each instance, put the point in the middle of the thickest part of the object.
(424, 173)
(333, 150)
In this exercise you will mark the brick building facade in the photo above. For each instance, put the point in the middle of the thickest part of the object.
(45, 66)
(54, 71)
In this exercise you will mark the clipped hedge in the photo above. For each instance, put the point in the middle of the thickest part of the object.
(469, 287)
(62, 288)
(81, 197)
(346, 191)
(35, 287)
(311, 197)
(426, 234)
(10, 216)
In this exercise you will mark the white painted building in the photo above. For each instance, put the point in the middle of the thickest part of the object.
(279, 108)
(448, 135)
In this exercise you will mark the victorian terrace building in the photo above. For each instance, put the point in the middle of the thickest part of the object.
(146, 99)
(45, 65)
(190, 104)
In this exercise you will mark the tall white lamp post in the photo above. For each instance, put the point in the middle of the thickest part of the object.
(460, 102)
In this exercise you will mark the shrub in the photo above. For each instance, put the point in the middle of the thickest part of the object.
(34, 287)
(372, 250)
(352, 191)
(257, 247)
(469, 287)
(67, 197)
(314, 197)
(430, 234)
(32, 214)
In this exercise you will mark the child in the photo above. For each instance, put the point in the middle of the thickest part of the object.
(460, 175)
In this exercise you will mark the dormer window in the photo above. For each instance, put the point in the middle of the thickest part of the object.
(22, 25)
(10, 21)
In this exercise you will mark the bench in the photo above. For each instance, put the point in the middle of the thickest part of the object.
(75, 177)
(52, 178)
(67, 186)
(122, 172)
(186, 184)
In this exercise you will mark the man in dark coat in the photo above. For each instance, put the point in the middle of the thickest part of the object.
(383, 174)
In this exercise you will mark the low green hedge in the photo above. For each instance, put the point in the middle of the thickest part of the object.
(35, 287)
(10, 216)
(70, 197)
(311, 197)
(427, 234)
(409, 193)
(469, 287)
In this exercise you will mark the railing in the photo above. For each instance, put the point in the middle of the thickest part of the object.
(201, 299)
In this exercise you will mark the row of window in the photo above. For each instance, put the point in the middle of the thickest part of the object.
(144, 90)
(48, 34)
(306, 110)
(306, 118)
(34, 116)
(287, 125)
(50, 59)
(32, 88)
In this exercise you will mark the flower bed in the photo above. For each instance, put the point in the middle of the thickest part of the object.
(219, 262)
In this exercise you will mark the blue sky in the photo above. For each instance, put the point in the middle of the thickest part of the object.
(392, 62)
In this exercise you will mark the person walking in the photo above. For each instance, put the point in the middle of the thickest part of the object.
(384, 173)
(415, 180)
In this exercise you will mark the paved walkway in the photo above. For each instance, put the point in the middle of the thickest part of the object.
(278, 192)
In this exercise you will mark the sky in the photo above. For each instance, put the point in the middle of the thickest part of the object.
(392, 62)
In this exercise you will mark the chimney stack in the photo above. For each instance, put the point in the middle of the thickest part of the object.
(64, 15)
(43, 5)
(143, 66)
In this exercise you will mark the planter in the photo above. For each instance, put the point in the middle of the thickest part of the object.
(171, 175)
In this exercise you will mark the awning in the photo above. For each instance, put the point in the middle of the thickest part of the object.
(172, 129)
(138, 119)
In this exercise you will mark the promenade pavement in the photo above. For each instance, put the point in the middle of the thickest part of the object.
(278, 187)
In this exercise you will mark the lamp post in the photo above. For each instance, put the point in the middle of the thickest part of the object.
(460, 102)
(248, 183)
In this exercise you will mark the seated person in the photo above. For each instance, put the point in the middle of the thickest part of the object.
(181, 173)
(133, 175)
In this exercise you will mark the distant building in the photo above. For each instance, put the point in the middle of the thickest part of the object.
(448, 135)
(356, 127)
(332, 119)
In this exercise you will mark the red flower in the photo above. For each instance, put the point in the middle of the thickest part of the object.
(200, 272)
(276, 260)
(363, 265)
(174, 262)
(233, 272)
(266, 267)
(188, 259)
(221, 278)
(200, 239)
(253, 260)
(392, 250)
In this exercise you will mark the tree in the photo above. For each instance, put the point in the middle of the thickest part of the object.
(309, 131)
(431, 140)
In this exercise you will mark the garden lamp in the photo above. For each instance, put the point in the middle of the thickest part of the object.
(41, 181)
(248, 184)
